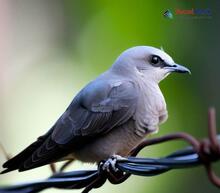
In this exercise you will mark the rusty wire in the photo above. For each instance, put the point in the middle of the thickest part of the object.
(200, 152)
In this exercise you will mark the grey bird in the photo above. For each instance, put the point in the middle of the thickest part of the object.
(109, 116)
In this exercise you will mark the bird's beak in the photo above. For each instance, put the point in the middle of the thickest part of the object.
(178, 68)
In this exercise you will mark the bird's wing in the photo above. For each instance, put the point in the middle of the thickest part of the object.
(97, 109)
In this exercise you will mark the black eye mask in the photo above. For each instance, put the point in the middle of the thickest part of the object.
(158, 62)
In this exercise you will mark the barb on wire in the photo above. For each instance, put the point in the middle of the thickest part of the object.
(200, 152)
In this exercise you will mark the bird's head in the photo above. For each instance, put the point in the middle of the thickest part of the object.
(151, 63)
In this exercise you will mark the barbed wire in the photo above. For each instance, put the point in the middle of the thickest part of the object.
(200, 152)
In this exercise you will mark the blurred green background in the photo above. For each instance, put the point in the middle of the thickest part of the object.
(51, 48)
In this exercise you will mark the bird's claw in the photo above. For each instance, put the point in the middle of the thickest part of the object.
(110, 164)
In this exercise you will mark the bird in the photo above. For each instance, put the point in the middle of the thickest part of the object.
(110, 116)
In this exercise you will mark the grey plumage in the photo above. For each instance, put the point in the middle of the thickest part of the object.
(111, 115)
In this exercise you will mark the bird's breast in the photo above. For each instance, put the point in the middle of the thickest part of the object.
(151, 106)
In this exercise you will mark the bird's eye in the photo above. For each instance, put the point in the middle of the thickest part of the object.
(155, 60)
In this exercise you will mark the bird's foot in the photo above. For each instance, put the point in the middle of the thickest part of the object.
(110, 164)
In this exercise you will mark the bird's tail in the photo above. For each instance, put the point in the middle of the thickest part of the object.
(15, 162)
